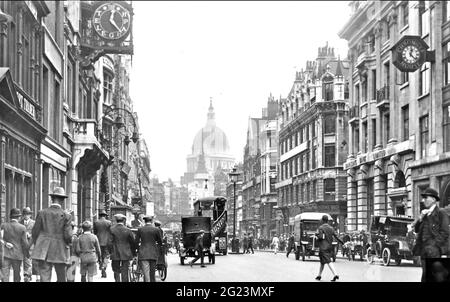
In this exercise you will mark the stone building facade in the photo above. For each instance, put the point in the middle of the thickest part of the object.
(398, 128)
(313, 142)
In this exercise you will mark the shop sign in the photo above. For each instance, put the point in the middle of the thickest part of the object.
(26, 105)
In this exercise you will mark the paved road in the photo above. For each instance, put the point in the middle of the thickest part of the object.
(268, 267)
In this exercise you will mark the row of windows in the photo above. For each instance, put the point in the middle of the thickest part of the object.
(301, 162)
(329, 127)
(306, 192)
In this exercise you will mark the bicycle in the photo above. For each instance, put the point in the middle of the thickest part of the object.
(135, 273)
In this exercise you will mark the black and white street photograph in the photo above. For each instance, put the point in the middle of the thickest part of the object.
(225, 142)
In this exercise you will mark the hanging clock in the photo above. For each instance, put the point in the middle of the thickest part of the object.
(112, 21)
(409, 53)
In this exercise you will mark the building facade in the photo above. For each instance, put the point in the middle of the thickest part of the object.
(54, 100)
(259, 173)
(313, 142)
(398, 131)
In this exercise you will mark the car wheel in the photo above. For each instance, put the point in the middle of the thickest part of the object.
(386, 255)
(303, 253)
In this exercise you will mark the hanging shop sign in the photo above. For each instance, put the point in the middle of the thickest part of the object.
(410, 52)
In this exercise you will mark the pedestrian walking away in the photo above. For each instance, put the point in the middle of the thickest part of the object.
(148, 241)
(88, 248)
(432, 228)
(122, 248)
(102, 229)
(16, 246)
(27, 262)
(325, 236)
(199, 248)
(250, 243)
(291, 245)
(52, 236)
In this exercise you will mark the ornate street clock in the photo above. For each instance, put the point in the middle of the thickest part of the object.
(409, 53)
(112, 21)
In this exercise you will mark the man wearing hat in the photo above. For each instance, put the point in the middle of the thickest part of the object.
(432, 229)
(29, 224)
(52, 236)
(199, 248)
(16, 246)
(122, 248)
(146, 239)
(102, 228)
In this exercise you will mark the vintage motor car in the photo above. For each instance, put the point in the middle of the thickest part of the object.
(390, 239)
(190, 228)
(305, 227)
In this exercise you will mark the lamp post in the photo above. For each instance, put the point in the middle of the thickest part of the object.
(234, 178)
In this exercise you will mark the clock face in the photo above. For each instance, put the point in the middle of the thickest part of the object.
(411, 54)
(111, 21)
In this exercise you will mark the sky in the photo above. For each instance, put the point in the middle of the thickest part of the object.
(235, 52)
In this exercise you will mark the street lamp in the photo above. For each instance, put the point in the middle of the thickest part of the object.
(234, 178)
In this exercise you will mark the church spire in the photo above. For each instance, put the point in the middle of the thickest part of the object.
(211, 114)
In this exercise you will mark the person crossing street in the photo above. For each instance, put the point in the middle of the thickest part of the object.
(291, 245)
(199, 248)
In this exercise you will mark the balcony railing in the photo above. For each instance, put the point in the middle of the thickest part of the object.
(85, 131)
(383, 94)
(354, 112)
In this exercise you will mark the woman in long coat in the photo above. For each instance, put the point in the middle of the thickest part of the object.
(325, 236)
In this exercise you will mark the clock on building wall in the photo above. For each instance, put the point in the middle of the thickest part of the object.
(112, 21)
(409, 53)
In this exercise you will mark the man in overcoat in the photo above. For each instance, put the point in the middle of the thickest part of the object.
(52, 236)
(102, 228)
(432, 229)
(122, 248)
(16, 246)
(29, 224)
(147, 238)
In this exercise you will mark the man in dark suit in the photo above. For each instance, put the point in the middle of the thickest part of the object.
(199, 248)
(16, 246)
(52, 237)
(147, 238)
(102, 228)
(432, 228)
(122, 248)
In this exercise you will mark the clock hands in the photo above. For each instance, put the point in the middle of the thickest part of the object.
(111, 19)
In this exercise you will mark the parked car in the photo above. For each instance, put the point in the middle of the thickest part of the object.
(305, 227)
(389, 239)
(190, 229)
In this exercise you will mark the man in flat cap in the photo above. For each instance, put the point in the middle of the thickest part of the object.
(147, 238)
(16, 246)
(29, 224)
(52, 236)
(122, 248)
(432, 229)
(102, 228)
(199, 248)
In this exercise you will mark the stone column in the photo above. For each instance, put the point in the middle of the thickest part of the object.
(362, 197)
(379, 189)
(4, 43)
(393, 169)
(2, 177)
(320, 146)
(352, 206)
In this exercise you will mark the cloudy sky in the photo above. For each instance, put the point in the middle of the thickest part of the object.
(236, 52)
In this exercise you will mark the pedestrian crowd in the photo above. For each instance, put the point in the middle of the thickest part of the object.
(53, 241)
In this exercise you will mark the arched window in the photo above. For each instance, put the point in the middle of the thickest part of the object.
(399, 181)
